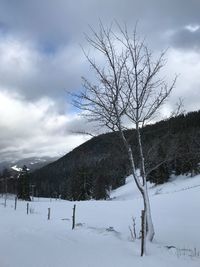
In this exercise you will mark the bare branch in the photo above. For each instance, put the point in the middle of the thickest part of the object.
(83, 133)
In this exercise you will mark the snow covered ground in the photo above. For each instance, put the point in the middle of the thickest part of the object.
(102, 236)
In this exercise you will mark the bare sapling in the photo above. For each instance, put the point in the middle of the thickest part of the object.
(133, 230)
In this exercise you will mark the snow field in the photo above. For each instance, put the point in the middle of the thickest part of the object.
(33, 241)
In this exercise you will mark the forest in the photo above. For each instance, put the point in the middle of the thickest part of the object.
(100, 164)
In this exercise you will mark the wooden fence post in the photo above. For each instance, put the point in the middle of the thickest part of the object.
(5, 200)
(73, 217)
(6, 191)
(143, 233)
(49, 213)
(15, 202)
(27, 208)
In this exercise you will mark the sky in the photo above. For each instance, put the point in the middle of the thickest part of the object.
(41, 59)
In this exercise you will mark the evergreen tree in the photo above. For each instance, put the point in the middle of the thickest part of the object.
(101, 190)
(23, 185)
(81, 184)
(161, 174)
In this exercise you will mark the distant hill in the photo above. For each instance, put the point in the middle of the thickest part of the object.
(32, 163)
(93, 168)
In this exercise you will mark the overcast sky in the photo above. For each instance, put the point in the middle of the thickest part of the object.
(40, 58)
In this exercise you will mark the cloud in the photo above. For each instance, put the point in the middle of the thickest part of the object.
(186, 64)
(39, 41)
(26, 70)
(187, 38)
(55, 23)
(34, 128)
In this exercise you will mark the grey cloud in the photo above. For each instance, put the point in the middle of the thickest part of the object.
(34, 74)
(52, 30)
(186, 39)
(60, 21)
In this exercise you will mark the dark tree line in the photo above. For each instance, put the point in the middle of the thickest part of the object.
(98, 165)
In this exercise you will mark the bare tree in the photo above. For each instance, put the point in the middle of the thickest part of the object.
(127, 93)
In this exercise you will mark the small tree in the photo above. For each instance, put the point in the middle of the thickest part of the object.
(128, 93)
(23, 185)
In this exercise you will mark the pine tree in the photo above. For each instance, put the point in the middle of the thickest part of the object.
(23, 185)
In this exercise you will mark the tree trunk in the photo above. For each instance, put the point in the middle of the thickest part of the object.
(142, 187)
(144, 192)
(143, 233)
(150, 228)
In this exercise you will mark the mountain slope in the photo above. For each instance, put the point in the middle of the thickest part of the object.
(101, 163)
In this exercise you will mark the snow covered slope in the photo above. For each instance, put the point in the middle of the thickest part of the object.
(176, 184)
(102, 236)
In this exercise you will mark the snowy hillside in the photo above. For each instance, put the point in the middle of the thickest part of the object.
(102, 237)
(176, 184)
